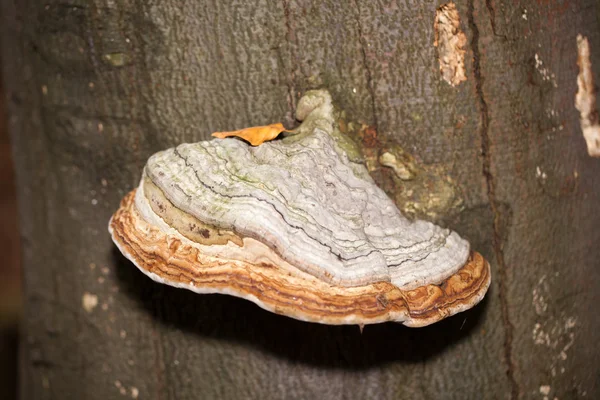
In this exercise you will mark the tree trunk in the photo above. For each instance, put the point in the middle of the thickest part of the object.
(94, 88)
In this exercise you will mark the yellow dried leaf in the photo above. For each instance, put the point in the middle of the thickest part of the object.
(255, 135)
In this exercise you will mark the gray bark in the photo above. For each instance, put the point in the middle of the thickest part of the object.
(93, 88)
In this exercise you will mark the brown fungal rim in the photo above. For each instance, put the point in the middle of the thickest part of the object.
(171, 260)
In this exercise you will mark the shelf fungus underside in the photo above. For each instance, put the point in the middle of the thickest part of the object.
(296, 226)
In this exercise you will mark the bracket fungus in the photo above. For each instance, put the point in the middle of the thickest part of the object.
(295, 226)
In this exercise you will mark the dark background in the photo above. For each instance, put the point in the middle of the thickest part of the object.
(10, 275)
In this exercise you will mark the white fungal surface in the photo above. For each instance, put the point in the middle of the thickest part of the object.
(303, 198)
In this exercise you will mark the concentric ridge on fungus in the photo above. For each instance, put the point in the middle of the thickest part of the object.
(296, 227)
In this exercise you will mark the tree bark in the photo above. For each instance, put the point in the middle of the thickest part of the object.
(94, 88)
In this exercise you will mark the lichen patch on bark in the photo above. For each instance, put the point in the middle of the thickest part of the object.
(450, 41)
(401, 168)
(585, 99)
(422, 191)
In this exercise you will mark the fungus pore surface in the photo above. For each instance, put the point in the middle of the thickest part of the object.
(295, 226)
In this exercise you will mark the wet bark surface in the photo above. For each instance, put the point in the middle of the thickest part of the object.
(94, 88)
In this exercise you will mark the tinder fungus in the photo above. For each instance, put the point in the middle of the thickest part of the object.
(297, 227)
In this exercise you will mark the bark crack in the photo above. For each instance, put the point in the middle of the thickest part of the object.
(363, 44)
(491, 193)
(492, 11)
